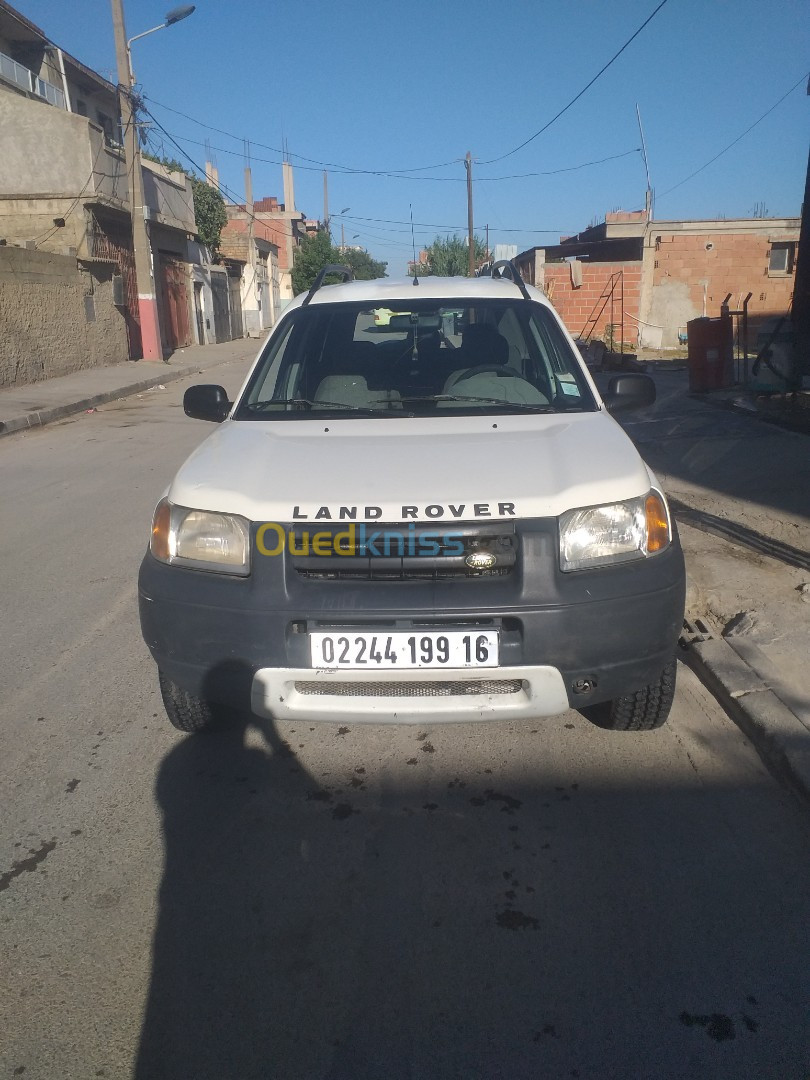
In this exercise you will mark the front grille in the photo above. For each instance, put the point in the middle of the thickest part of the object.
(410, 689)
(423, 551)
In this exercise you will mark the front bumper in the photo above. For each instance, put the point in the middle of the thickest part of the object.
(414, 697)
(571, 640)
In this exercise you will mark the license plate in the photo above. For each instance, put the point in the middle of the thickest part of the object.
(443, 649)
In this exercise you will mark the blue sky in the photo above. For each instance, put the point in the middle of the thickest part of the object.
(392, 86)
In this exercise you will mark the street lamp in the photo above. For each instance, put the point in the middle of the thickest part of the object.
(176, 15)
(345, 210)
(151, 347)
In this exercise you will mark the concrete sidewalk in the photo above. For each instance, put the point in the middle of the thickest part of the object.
(41, 403)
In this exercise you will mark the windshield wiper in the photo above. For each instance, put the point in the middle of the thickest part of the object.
(260, 405)
(482, 400)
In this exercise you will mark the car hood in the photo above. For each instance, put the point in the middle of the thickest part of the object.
(400, 469)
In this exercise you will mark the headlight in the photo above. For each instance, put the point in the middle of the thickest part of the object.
(201, 539)
(614, 533)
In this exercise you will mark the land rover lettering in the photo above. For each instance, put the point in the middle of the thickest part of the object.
(406, 512)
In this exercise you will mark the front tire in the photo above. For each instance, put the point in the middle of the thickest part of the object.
(641, 710)
(187, 712)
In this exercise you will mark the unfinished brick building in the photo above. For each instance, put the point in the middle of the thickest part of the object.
(643, 280)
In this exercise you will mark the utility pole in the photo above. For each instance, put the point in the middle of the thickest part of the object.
(326, 203)
(470, 237)
(649, 197)
(487, 251)
(251, 247)
(147, 301)
(801, 288)
(342, 237)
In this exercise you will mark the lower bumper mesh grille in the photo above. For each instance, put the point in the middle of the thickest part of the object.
(410, 689)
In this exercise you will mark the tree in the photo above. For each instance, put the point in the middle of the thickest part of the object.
(209, 214)
(448, 256)
(313, 253)
(365, 268)
(317, 251)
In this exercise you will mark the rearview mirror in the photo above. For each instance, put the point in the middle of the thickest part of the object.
(206, 401)
(627, 392)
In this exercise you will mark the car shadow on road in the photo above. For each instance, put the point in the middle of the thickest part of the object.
(479, 919)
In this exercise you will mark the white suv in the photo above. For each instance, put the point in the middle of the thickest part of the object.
(418, 507)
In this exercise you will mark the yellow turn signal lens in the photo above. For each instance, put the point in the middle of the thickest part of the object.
(161, 523)
(657, 524)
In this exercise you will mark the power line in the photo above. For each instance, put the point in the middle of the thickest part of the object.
(302, 157)
(402, 174)
(549, 172)
(573, 100)
(221, 188)
(438, 179)
(384, 221)
(445, 228)
(241, 153)
(49, 233)
(383, 241)
(735, 141)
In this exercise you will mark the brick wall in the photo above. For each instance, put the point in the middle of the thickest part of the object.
(576, 305)
(55, 318)
(275, 230)
(737, 263)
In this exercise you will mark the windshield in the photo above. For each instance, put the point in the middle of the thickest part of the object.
(417, 358)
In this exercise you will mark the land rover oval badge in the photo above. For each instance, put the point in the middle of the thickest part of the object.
(480, 560)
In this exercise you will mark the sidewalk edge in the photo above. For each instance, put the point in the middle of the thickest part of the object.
(779, 737)
(58, 412)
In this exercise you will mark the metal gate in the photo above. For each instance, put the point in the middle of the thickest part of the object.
(235, 297)
(174, 316)
(112, 240)
(198, 312)
(222, 318)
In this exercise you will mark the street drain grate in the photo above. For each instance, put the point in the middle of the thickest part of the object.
(694, 631)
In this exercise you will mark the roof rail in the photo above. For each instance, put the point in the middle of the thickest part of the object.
(345, 272)
(500, 268)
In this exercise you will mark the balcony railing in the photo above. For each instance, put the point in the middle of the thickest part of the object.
(27, 80)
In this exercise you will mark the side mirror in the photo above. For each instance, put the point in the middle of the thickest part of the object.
(206, 402)
(627, 392)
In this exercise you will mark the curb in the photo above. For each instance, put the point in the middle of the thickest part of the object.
(58, 412)
(778, 736)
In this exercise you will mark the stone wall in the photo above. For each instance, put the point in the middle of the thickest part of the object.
(56, 316)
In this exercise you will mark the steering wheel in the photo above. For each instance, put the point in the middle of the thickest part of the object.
(501, 371)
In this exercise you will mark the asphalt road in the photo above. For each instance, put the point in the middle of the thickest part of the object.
(541, 900)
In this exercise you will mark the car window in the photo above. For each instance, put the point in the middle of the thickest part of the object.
(416, 358)
(271, 364)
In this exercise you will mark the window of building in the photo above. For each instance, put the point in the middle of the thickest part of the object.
(106, 124)
(780, 260)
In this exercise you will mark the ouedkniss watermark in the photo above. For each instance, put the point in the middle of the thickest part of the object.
(358, 541)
